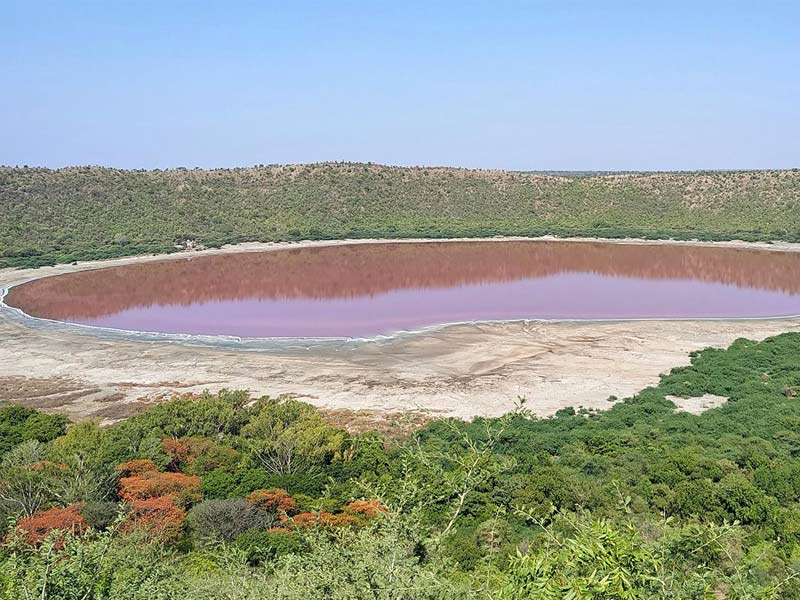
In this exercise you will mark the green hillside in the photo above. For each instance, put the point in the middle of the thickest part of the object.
(49, 216)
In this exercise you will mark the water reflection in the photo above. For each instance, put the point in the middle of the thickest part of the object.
(369, 289)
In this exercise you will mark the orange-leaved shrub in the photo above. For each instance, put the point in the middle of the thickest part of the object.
(366, 508)
(324, 519)
(197, 455)
(357, 512)
(137, 466)
(275, 500)
(156, 500)
(184, 489)
(41, 523)
(282, 528)
(178, 450)
(157, 517)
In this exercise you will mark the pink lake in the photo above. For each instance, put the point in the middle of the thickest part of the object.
(365, 290)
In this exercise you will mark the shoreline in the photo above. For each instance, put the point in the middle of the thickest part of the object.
(774, 246)
(281, 343)
(461, 370)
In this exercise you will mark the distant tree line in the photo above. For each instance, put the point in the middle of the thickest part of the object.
(84, 213)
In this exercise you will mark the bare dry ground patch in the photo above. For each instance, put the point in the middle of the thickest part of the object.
(460, 370)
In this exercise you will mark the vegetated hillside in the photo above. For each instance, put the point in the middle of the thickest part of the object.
(49, 216)
(220, 497)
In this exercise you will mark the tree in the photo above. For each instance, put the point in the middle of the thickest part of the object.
(25, 479)
(287, 436)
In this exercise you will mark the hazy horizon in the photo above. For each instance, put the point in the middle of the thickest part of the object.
(545, 86)
(388, 166)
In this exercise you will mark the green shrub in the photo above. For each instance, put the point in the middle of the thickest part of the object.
(225, 520)
(265, 546)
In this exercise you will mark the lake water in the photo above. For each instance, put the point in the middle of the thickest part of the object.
(364, 290)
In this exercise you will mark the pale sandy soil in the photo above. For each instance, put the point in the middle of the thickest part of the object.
(460, 370)
(698, 404)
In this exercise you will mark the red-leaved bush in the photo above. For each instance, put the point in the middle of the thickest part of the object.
(358, 512)
(198, 454)
(156, 499)
(324, 519)
(137, 467)
(151, 484)
(279, 529)
(366, 508)
(275, 500)
(40, 524)
(158, 518)
(180, 450)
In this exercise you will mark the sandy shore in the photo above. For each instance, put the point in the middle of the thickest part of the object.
(460, 370)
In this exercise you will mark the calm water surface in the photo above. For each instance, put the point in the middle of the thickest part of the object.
(371, 289)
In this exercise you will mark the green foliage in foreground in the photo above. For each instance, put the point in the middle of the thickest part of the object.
(639, 501)
(85, 213)
(19, 424)
(397, 559)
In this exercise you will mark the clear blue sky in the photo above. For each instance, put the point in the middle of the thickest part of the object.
(520, 85)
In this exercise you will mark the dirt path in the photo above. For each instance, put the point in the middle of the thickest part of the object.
(462, 370)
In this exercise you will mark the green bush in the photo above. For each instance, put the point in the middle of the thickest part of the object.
(18, 424)
(225, 520)
(265, 546)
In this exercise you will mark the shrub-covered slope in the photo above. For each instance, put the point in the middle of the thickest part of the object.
(220, 497)
(49, 216)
